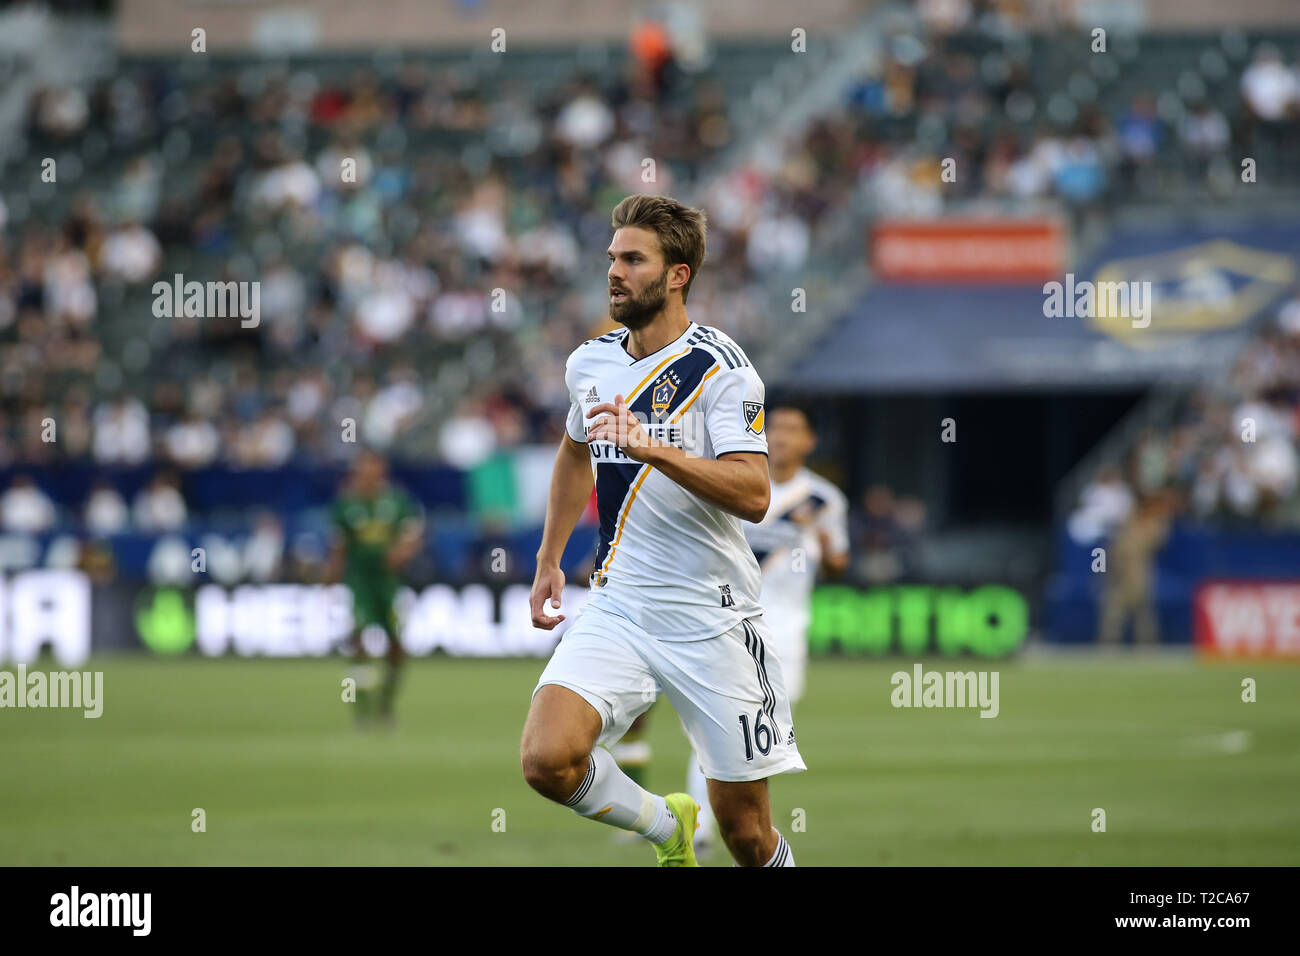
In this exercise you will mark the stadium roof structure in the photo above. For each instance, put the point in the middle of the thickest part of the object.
(1207, 288)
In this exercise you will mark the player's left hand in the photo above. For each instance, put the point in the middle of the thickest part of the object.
(620, 427)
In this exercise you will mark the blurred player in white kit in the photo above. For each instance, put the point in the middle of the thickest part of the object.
(804, 535)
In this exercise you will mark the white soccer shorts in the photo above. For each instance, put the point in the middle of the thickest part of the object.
(729, 690)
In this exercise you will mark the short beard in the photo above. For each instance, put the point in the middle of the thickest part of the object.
(636, 312)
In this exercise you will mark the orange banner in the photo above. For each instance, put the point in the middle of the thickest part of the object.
(974, 250)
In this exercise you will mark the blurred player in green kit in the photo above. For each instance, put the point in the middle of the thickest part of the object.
(378, 529)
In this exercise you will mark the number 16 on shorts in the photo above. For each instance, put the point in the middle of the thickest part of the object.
(761, 737)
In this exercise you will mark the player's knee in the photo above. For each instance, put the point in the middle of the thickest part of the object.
(551, 770)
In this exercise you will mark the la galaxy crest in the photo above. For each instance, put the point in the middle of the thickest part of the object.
(663, 392)
(754, 417)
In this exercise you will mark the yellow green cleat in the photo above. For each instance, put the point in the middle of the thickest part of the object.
(679, 849)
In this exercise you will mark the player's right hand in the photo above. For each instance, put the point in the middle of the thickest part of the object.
(547, 585)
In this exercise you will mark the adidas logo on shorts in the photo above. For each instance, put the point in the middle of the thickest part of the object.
(789, 740)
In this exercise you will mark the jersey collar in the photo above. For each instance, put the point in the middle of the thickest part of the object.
(690, 327)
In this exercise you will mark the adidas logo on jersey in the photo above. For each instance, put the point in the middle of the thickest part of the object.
(591, 396)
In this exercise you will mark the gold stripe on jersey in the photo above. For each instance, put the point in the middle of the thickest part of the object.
(622, 517)
(695, 394)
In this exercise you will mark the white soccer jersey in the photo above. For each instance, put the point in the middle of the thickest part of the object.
(671, 563)
(800, 509)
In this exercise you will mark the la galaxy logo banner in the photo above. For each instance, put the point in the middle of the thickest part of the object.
(661, 398)
(754, 417)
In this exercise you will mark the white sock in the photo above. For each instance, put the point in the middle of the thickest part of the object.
(609, 795)
(781, 856)
(698, 787)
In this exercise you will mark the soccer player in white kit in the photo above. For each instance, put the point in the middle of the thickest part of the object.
(804, 532)
(666, 419)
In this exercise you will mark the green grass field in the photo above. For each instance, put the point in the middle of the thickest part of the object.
(1186, 772)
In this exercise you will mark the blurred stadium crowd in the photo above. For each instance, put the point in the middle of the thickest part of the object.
(1229, 455)
(432, 297)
